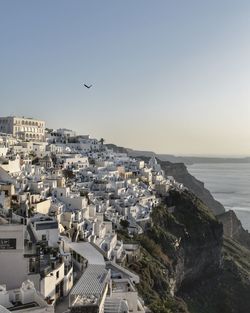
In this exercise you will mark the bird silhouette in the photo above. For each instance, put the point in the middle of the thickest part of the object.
(87, 86)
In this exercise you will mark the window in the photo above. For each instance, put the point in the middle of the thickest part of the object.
(57, 274)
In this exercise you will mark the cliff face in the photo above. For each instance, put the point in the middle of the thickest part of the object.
(182, 245)
(181, 174)
(226, 292)
(196, 237)
(186, 266)
(233, 228)
(231, 224)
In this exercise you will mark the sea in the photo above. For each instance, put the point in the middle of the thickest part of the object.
(229, 183)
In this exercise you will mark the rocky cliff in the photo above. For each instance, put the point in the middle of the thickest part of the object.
(233, 228)
(231, 224)
(226, 292)
(186, 266)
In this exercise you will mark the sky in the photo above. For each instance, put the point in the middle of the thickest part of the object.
(172, 76)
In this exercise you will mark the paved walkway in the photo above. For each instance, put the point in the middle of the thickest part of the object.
(63, 305)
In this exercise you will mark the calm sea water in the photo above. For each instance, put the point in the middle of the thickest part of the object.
(229, 184)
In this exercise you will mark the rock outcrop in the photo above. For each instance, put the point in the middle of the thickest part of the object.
(233, 228)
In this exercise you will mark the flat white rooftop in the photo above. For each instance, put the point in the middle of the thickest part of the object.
(87, 251)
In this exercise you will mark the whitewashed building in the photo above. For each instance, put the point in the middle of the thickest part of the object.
(23, 128)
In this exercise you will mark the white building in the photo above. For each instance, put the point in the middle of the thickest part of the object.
(23, 128)
(11, 165)
(23, 300)
(3, 151)
(15, 267)
(66, 132)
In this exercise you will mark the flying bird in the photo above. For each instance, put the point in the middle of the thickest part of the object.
(87, 86)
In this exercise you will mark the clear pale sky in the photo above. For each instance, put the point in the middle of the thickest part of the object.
(169, 76)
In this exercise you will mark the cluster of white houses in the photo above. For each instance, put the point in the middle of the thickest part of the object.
(63, 197)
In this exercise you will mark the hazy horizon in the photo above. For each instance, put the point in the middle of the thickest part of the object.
(168, 76)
